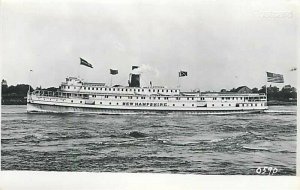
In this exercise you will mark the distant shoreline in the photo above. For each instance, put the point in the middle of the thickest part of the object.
(281, 103)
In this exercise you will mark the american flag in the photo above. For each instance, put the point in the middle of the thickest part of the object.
(276, 78)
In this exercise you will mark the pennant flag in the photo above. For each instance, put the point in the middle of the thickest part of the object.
(85, 63)
(134, 67)
(113, 72)
(293, 69)
(276, 78)
(182, 73)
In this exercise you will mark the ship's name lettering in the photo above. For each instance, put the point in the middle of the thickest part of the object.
(144, 104)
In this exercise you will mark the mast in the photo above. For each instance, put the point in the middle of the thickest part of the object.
(267, 89)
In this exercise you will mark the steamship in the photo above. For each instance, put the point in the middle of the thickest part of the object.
(75, 95)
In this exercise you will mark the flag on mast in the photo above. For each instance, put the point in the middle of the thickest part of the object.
(85, 63)
(182, 73)
(134, 67)
(113, 72)
(275, 78)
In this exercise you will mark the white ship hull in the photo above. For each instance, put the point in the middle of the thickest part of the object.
(48, 108)
(76, 96)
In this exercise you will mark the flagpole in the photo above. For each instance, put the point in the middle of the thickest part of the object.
(78, 70)
(178, 81)
(267, 88)
(29, 80)
(111, 80)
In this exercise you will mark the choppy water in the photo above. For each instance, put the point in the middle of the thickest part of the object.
(208, 144)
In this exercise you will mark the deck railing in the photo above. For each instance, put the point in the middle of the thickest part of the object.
(60, 94)
(49, 93)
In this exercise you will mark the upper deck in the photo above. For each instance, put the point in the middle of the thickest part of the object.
(76, 85)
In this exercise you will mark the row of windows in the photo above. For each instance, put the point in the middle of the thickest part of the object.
(228, 98)
(241, 105)
(165, 98)
(164, 104)
(124, 89)
(221, 105)
(241, 98)
(159, 98)
(140, 104)
(153, 98)
(250, 105)
(131, 97)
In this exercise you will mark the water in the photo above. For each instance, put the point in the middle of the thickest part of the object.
(208, 144)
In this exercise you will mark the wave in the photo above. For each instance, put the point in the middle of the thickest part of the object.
(280, 112)
(255, 148)
(13, 112)
(137, 134)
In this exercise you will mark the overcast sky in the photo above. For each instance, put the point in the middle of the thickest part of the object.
(220, 44)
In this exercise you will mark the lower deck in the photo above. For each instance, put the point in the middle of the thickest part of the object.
(103, 109)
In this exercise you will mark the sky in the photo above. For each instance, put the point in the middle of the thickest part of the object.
(221, 44)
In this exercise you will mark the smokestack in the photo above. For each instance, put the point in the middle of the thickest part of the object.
(135, 80)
